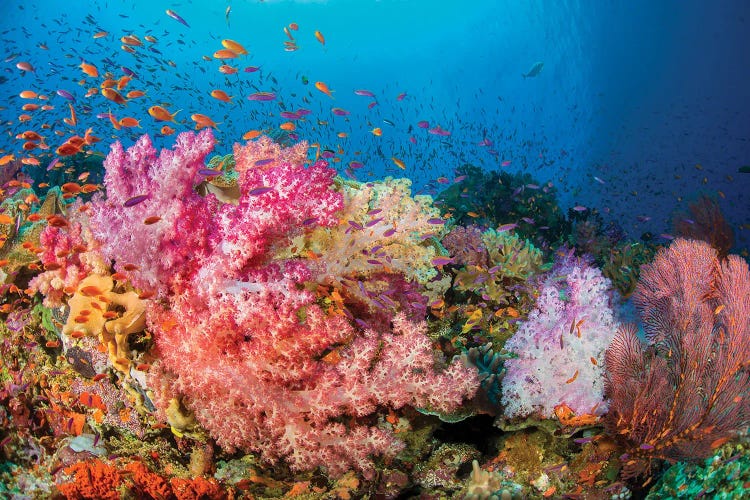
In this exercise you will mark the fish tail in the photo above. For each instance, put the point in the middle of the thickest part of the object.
(174, 115)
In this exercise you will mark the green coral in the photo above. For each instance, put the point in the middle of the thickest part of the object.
(500, 197)
(513, 261)
(623, 265)
(16, 236)
(724, 475)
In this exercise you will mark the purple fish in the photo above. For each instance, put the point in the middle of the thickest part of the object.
(390, 232)
(373, 222)
(265, 161)
(583, 440)
(423, 124)
(374, 262)
(131, 202)
(365, 93)
(303, 112)
(339, 112)
(262, 96)
(579, 208)
(442, 261)
(356, 225)
(52, 164)
(128, 71)
(436, 221)
(260, 190)
(66, 95)
(362, 323)
(252, 69)
(375, 211)
(174, 15)
(289, 115)
(506, 227)
(646, 446)
(207, 172)
(437, 130)
(356, 164)
(310, 221)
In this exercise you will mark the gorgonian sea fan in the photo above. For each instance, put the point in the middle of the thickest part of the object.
(685, 392)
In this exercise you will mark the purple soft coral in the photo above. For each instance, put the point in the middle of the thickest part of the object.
(561, 346)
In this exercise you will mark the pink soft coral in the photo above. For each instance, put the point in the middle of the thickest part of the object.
(70, 253)
(174, 246)
(240, 338)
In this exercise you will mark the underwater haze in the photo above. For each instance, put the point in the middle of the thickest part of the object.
(374, 249)
(650, 97)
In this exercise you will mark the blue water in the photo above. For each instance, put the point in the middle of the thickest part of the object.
(650, 97)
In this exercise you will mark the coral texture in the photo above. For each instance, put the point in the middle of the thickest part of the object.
(561, 346)
(240, 339)
(686, 392)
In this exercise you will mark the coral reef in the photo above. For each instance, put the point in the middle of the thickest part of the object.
(561, 346)
(691, 378)
(237, 311)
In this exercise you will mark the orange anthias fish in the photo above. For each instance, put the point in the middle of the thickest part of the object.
(167, 130)
(75, 144)
(234, 47)
(202, 121)
(89, 69)
(324, 88)
(320, 37)
(400, 164)
(131, 40)
(251, 134)
(227, 69)
(28, 94)
(114, 96)
(225, 54)
(73, 120)
(162, 115)
(129, 122)
(221, 95)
